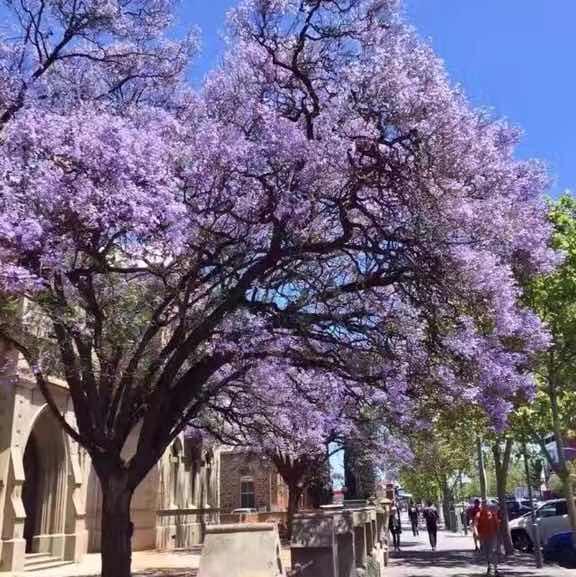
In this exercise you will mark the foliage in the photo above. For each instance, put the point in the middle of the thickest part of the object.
(326, 198)
(442, 454)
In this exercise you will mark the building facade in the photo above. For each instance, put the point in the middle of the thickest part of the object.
(50, 500)
(248, 481)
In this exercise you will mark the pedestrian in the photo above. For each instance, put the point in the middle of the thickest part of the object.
(464, 520)
(487, 523)
(472, 512)
(395, 527)
(431, 518)
(413, 515)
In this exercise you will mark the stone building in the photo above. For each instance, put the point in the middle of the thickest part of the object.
(49, 494)
(247, 481)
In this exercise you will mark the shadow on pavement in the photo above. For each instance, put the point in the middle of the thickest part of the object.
(459, 559)
(448, 559)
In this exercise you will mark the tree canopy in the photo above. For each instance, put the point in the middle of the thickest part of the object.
(327, 197)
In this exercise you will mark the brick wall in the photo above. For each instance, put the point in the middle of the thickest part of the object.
(235, 466)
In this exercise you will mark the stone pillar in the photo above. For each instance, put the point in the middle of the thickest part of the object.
(346, 556)
(314, 546)
(13, 543)
(360, 545)
(12, 515)
(383, 513)
(75, 532)
(369, 537)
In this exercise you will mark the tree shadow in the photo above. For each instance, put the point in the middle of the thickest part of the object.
(447, 559)
(465, 563)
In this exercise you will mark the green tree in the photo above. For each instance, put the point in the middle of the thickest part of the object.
(442, 454)
(553, 297)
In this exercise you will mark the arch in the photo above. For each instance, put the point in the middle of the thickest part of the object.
(44, 489)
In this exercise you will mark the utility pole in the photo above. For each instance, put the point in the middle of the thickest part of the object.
(535, 531)
(481, 470)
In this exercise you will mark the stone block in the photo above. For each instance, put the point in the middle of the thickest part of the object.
(241, 550)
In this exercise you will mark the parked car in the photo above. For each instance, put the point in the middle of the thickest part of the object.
(560, 549)
(551, 518)
(517, 508)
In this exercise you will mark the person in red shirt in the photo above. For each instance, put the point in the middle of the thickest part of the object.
(487, 523)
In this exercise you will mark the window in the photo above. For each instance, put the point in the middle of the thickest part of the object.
(561, 508)
(547, 511)
(247, 495)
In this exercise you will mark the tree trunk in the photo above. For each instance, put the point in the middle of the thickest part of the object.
(502, 465)
(481, 469)
(294, 494)
(116, 546)
(448, 505)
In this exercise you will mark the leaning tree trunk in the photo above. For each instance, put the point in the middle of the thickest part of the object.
(502, 466)
(116, 546)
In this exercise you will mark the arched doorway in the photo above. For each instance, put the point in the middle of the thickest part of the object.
(44, 489)
(30, 491)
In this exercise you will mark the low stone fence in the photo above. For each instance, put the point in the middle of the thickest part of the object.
(186, 528)
(349, 540)
(277, 517)
(183, 528)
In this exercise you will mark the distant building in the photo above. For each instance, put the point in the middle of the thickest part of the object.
(249, 481)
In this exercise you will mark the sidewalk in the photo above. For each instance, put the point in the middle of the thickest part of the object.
(455, 557)
(144, 564)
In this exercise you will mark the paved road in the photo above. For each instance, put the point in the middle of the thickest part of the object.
(454, 557)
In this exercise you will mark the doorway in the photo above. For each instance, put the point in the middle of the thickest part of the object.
(30, 491)
(44, 487)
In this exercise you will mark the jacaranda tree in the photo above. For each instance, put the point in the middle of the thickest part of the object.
(326, 195)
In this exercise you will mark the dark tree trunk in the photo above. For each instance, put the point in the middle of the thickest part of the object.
(294, 495)
(481, 469)
(116, 546)
(448, 505)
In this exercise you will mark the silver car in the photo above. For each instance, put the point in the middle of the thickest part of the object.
(551, 518)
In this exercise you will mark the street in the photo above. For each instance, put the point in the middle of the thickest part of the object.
(455, 557)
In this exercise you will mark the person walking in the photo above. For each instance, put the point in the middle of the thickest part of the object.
(464, 520)
(472, 513)
(395, 527)
(431, 518)
(413, 515)
(487, 523)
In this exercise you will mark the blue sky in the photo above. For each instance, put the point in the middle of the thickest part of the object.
(516, 57)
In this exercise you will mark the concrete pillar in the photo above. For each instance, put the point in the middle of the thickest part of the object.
(242, 550)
